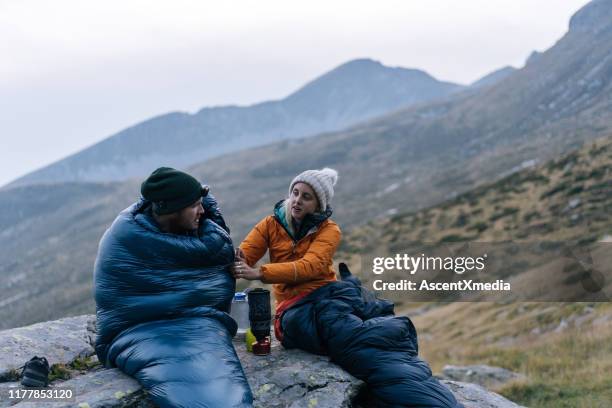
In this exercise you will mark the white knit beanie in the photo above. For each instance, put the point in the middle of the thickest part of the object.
(321, 181)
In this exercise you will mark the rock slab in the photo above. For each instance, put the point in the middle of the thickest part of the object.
(283, 379)
(484, 375)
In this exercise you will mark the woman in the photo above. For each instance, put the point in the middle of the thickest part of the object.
(301, 238)
(319, 314)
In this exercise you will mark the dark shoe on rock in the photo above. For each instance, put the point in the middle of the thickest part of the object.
(35, 373)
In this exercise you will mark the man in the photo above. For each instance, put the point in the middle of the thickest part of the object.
(163, 289)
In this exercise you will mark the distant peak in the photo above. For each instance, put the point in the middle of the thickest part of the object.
(362, 62)
(368, 64)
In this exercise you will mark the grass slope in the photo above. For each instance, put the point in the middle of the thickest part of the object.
(562, 348)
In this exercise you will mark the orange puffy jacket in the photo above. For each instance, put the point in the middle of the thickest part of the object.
(296, 267)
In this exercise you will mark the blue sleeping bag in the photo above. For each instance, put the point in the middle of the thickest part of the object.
(161, 306)
(362, 335)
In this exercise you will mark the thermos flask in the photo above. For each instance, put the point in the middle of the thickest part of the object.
(260, 317)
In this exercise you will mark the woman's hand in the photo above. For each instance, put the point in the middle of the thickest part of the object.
(240, 254)
(244, 271)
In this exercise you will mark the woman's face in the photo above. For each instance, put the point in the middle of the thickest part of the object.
(302, 201)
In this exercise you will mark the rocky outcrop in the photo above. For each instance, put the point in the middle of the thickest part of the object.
(487, 376)
(285, 378)
(60, 341)
(592, 18)
(475, 396)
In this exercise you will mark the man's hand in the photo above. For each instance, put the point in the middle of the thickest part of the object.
(243, 271)
(209, 203)
(212, 211)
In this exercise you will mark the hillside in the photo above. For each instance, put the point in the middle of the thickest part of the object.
(49, 238)
(566, 199)
(355, 91)
(541, 212)
(493, 77)
(562, 348)
(55, 268)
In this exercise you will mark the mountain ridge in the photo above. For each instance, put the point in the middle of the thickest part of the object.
(352, 92)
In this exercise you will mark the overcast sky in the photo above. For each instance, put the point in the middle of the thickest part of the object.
(73, 72)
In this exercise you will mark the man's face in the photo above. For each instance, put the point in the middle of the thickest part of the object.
(188, 219)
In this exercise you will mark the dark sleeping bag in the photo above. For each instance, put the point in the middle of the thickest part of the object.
(362, 335)
(161, 305)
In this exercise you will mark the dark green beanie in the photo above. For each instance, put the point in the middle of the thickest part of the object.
(171, 190)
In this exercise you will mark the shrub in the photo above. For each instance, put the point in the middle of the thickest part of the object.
(479, 226)
(531, 215)
(59, 372)
(454, 238)
(575, 190)
(462, 220)
(558, 188)
(506, 211)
